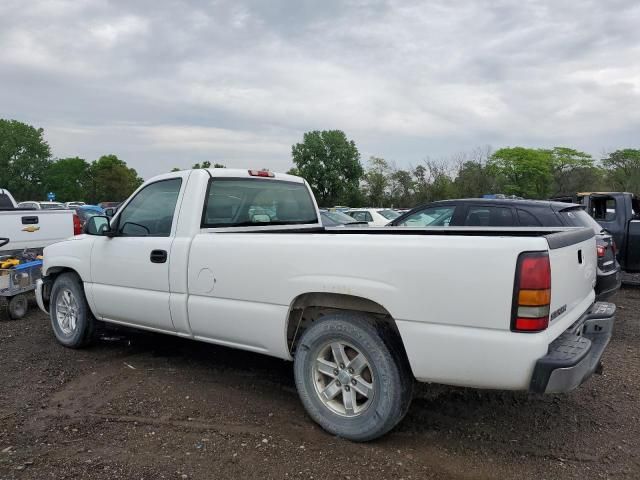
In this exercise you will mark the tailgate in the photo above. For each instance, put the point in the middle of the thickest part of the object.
(35, 228)
(573, 258)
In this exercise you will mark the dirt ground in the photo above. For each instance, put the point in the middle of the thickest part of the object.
(146, 406)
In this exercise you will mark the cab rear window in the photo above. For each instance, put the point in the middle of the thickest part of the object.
(241, 202)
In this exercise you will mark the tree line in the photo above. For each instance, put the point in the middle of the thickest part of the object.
(29, 170)
(331, 163)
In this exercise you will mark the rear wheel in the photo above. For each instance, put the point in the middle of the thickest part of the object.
(71, 320)
(18, 306)
(350, 378)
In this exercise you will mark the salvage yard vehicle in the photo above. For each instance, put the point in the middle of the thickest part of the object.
(619, 214)
(337, 218)
(34, 229)
(375, 217)
(239, 258)
(504, 212)
(42, 205)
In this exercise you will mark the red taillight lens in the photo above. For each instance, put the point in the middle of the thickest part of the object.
(532, 324)
(602, 250)
(532, 293)
(77, 225)
(261, 173)
(535, 271)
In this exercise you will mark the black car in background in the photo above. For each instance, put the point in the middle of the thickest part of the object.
(484, 212)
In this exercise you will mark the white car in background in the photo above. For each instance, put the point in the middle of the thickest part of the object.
(375, 217)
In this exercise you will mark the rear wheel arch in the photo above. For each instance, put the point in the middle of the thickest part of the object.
(312, 307)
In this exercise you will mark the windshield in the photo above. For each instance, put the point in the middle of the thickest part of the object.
(577, 217)
(429, 217)
(389, 214)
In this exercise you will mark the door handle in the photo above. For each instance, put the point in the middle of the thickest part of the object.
(158, 256)
(29, 220)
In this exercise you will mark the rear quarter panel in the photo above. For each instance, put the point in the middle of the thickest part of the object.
(433, 281)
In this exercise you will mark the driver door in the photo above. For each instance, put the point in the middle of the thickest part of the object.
(130, 272)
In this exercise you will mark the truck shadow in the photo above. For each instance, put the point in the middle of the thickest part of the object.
(463, 417)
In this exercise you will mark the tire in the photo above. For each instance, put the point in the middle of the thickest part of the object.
(18, 307)
(74, 329)
(386, 378)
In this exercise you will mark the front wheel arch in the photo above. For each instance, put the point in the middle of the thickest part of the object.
(79, 331)
(50, 278)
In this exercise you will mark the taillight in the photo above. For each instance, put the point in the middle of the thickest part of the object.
(602, 250)
(261, 173)
(532, 293)
(77, 225)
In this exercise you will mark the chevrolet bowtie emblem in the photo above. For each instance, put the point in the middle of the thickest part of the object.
(31, 229)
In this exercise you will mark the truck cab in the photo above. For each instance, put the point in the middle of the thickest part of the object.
(619, 214)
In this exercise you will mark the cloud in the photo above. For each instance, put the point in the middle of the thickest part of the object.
(241, 81)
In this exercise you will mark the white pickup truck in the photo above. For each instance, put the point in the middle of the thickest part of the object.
(239, 258)
(33, 229)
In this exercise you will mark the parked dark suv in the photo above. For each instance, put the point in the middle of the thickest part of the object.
(482, 212)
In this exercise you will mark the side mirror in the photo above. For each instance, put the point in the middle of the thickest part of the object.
(97, 225)
(110, 212)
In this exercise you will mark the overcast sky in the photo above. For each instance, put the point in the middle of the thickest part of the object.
(171, 83)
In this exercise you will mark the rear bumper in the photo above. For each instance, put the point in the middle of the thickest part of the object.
(607, 284)
(575, 355)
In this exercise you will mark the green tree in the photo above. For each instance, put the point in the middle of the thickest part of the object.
(526, 172)
(441, 186)
(376, 181)
(623, 169)
(112, 180)
(401, 188)
(24, 159)
(569, 168)
(330, 163)
(69, 179)
(473, 180)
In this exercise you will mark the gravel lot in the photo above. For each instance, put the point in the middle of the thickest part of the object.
(139, 405)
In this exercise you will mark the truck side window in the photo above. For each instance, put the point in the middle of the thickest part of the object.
(150, 212)
(238, 202)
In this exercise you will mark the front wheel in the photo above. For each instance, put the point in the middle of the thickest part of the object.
(71, 320)
(351, 379)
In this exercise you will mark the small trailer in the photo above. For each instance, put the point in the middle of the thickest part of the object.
(17, 277)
